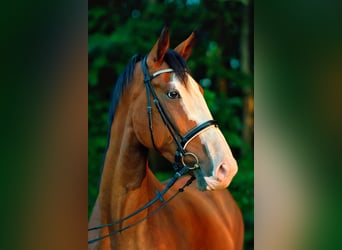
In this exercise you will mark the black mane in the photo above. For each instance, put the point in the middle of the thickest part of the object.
(172, 58)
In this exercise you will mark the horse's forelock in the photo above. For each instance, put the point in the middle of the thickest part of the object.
(177, 63)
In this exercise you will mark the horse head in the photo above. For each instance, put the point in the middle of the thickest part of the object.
(187, 121)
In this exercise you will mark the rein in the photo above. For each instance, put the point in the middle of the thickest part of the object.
(179, 165)
(159, 196)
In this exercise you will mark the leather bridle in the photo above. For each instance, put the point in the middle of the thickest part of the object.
(180, 166)
(181, 141)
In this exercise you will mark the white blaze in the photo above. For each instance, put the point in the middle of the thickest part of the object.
(194, 105)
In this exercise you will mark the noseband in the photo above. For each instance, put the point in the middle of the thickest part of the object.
(181, 141)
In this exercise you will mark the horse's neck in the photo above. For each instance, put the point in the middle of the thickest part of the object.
(126, 182)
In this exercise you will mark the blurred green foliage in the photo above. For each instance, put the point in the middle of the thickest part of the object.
(120, 29)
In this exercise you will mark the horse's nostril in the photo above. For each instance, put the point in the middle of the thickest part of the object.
(222, 172)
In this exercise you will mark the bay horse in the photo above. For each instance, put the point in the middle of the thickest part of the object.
(158, 105)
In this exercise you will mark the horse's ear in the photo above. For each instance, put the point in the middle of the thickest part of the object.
(156, 55)
(185, 48)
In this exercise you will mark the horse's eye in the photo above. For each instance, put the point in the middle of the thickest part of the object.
(173, 94)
